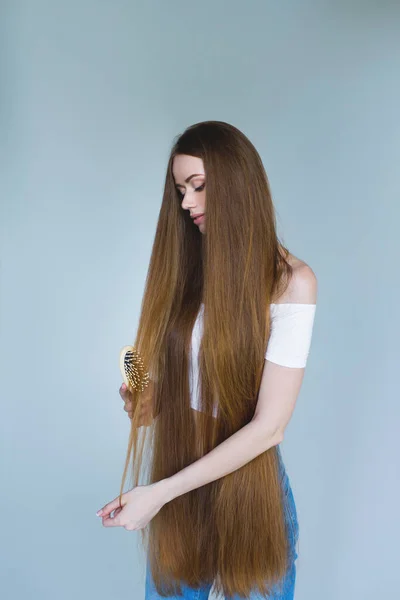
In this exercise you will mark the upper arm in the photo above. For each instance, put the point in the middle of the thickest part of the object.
(286, 354)
(277, 396)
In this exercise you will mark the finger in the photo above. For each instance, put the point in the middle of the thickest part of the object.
(144, 409)
(125, 396)
(113, 514)
(108, 508)
(142, 417)
(124, 392)
(147, 415)
(111, 521)
(145, 412)
(146, 418)
(115, 520)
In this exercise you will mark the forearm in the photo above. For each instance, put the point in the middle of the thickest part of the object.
(234, 452)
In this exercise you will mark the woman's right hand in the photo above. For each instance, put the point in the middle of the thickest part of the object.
(145, 416)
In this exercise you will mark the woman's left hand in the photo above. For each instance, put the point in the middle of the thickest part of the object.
(137, 508)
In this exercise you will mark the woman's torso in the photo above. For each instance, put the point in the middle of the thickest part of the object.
(290, 507)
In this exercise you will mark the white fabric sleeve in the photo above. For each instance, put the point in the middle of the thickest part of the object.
(291, 332)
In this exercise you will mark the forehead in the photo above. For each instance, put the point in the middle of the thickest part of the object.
(184, 165)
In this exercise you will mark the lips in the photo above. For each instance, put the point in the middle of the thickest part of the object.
(198, 219)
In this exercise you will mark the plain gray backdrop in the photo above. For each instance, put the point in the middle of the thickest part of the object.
(92, 95)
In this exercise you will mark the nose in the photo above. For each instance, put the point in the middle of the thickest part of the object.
(186, 204)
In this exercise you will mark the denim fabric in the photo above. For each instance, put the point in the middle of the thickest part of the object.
(290, 509)
(287, 591)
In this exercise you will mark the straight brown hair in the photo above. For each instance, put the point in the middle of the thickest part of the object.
(231, 531)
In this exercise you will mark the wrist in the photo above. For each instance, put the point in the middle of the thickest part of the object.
(166, 489)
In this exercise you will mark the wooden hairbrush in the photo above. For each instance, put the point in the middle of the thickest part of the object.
(134, 373)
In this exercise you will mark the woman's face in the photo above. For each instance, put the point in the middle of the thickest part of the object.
(190, 180)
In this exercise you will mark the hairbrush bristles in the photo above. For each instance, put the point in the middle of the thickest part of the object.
(135, 375)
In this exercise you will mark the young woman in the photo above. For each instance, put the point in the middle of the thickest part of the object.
(225, 330)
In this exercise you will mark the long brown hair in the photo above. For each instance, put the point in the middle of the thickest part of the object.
(231, 531)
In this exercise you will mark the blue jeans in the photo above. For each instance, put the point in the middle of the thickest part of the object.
(287, 592)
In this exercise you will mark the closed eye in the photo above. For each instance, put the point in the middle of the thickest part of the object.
(198, 189)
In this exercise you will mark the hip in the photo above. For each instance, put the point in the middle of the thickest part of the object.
(289, 507)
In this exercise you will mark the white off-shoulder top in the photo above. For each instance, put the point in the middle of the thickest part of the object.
(289, 342)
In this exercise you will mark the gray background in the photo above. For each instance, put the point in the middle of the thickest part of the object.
(92, 94)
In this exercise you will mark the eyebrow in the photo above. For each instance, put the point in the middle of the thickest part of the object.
(191, 177)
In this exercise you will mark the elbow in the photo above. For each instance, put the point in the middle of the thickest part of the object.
(270, 436)
(278, 437)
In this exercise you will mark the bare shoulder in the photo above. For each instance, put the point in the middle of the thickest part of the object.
(303, 286)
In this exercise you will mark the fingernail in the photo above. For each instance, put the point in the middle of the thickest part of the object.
(99, 512)
(123, 387)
